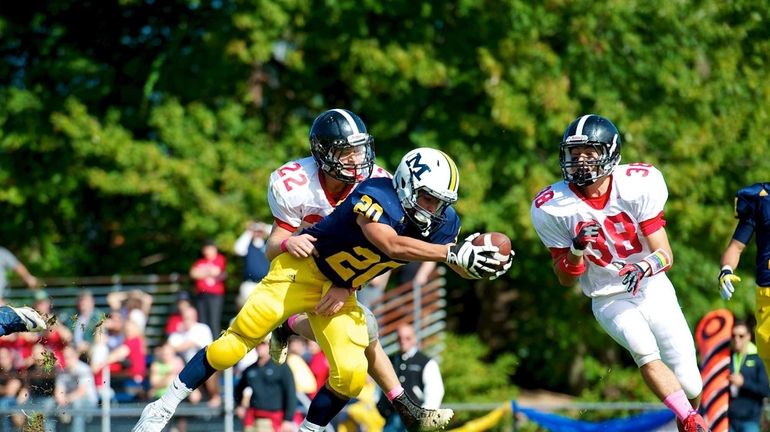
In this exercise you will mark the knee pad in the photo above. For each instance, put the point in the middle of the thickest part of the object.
(226, 351)
(349, 377)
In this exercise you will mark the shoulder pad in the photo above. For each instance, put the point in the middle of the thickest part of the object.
(379, 171)
(449, 230)
(380, 191)
(636, 180)
(746, 199)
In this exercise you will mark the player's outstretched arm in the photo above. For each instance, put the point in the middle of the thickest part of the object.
(469, 259)
(397, 247)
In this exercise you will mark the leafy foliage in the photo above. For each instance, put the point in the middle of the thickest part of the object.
(128, 140)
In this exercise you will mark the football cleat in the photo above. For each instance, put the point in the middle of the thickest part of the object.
(154, 418)
(31, 318)
(419, 419)
(279, 343)
(695, 423)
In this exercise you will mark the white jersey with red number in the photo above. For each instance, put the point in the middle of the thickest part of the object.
(634, 207)
(296, 193)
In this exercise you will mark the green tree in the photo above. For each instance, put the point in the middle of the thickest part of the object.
(128, 139)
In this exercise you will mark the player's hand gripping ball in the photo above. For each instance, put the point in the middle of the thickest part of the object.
(504, 253)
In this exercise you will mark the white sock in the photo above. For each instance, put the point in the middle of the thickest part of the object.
(177, 392)
(306, 426)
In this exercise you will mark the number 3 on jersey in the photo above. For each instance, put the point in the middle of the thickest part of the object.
(620, 230)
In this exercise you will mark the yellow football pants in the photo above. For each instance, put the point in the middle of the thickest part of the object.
(292, 286)
(762, 334)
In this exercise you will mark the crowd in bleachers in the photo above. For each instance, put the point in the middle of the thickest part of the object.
(63, 366)
(63, 369)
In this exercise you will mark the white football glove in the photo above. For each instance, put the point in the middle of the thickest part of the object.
(726, 279)
(472, 257)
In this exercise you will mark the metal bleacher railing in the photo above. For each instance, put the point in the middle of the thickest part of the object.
(423, 307)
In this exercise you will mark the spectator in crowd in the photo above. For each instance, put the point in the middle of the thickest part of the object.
(8, 261)
(134, 305)
(75, 388)
(165, 366)
(127, 362)
(10, 386)
(252, 246)
(748, 382)
(84, 321)
(191, 337)
(304, 379)
(57, 335)
(266, 394)
(318, 363)
(209, 274)
(174, 321)
(419, 375)
(39, 382)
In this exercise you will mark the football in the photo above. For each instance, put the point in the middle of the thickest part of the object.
(496, 239)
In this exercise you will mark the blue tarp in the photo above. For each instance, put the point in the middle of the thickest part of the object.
(646, 422)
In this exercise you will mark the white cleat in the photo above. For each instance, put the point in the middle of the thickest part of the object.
(433, 420)
(419, 419)
(154, 418)
(31, 318)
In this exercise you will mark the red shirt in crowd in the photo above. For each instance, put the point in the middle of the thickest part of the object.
(211, 285)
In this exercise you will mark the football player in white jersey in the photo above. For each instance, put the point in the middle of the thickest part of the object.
(604, 227)
(301, 193)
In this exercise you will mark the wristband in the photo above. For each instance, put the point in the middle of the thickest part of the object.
(727, 268)
(571, 269)
(283, 245)
(658, 261)
(575, 251)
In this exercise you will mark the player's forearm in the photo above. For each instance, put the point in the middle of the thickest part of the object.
(732, 255)
(408, 249)
(274, 242)
(568, 268)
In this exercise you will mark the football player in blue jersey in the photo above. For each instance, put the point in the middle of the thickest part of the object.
(381, 225)
(752, 208)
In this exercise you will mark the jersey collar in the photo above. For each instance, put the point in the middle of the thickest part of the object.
(334, 201)
(597, 203)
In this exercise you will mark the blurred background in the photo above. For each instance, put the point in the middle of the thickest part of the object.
(133, 130)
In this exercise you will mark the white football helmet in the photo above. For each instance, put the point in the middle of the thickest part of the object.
(426, 171)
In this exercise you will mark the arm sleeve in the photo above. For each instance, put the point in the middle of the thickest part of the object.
(286, 214)
(241, 247)
(654, 194)
(744, 231)
(434, 385)
(548, 230)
